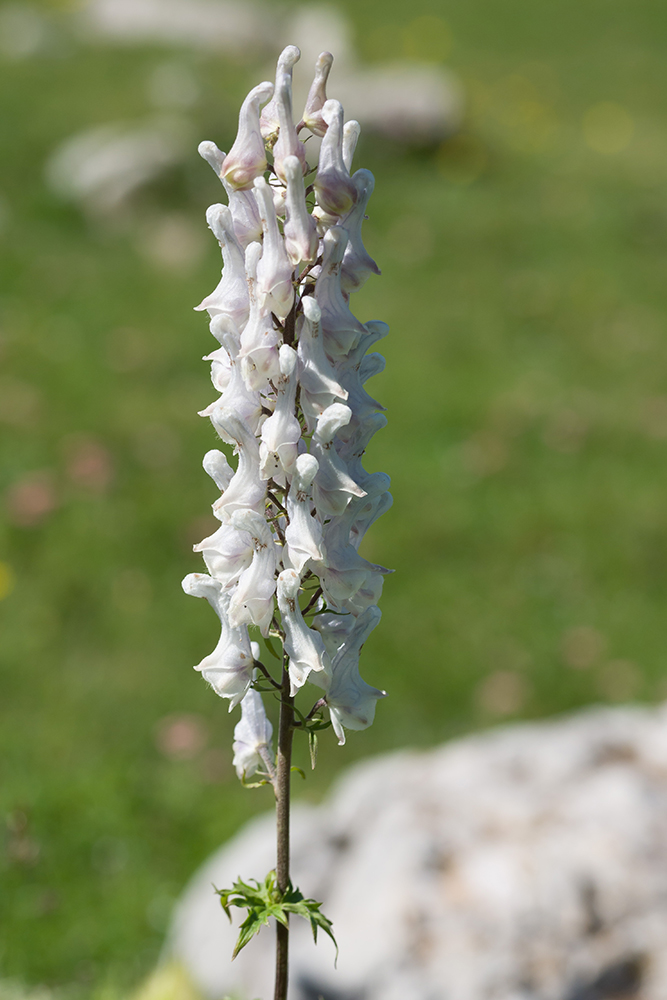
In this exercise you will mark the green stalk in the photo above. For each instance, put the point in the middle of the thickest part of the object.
(282, 789)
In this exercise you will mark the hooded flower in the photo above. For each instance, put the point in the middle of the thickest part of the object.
(228, 669)
(304, 647)
(351, 701)
(252, 736)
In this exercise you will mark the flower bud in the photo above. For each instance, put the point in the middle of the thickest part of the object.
(334, 189)
(317, 96)
(247, 158)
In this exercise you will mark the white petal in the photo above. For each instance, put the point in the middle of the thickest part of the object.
(252, 600)
(246, 489)
(350, 699)
(304, 647)
(252, 732)
(229, 668)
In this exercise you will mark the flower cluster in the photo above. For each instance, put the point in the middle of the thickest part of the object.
(290, 369)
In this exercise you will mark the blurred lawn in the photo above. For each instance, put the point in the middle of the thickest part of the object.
(524, 281)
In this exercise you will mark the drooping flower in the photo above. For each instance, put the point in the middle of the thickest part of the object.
(252, 736)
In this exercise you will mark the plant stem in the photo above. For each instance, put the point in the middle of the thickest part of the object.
(282, 786)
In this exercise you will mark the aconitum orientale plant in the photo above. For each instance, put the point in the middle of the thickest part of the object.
(290, 369)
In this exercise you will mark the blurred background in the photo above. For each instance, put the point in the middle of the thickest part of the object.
(520, 222)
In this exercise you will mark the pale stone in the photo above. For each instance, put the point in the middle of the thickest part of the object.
(526, 863)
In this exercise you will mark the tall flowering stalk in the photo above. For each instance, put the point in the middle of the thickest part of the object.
(290, 371)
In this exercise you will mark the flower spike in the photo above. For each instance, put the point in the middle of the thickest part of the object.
(290, 369)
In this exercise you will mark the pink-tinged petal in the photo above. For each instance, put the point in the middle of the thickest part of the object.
(246, 160)
(334, 190)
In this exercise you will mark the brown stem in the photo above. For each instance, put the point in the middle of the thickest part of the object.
(282, 786)
(313, 601)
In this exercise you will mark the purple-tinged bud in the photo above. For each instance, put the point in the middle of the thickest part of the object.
(336, 194)
(247, 157)
(241, 203)
(317, 96)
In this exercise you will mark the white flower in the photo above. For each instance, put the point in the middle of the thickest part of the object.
(351, 701)
(227, 553)
(228, 669)
(333, 485)
(342, 331)
(246, 489)
(236, 397)
(231, 293)
(259, 339)
(319, 385)
(301, 242)
(242, 204)
(303, 534)
(281, 432)
(358, 265)
(218, 468)
(252, 600)
(252, 736)
(351, 133)
(274, 288)
(304, 647)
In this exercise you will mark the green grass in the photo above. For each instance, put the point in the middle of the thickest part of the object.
(523, 278)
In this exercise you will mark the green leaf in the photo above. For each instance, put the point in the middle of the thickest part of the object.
(298, 770)
(250, 926)
(264, 900)
(269, 646)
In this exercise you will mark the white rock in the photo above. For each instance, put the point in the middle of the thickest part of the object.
(528, 862)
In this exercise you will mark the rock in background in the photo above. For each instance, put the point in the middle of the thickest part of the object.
(528, 862)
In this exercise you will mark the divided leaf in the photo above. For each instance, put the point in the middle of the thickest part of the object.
(264, 900)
